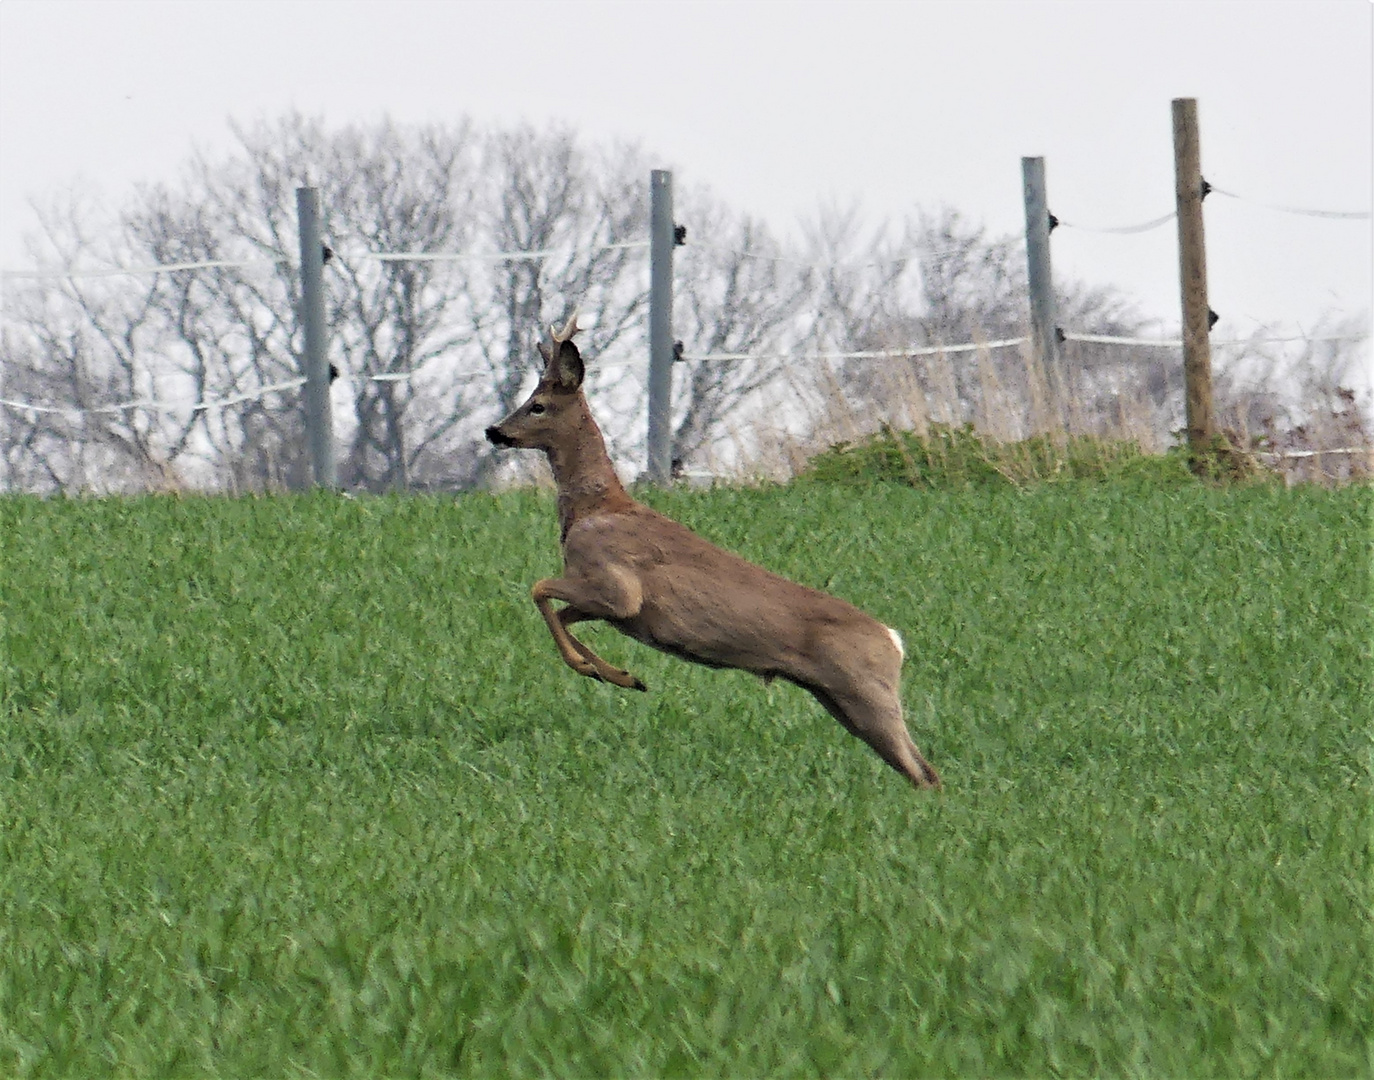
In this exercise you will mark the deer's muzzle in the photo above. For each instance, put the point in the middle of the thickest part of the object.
(497, 437)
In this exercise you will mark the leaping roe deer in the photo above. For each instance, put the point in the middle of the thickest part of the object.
(657, 581)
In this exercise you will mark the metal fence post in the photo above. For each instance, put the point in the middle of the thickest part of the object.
(661, 241)
(319, 420)
(1044, 319)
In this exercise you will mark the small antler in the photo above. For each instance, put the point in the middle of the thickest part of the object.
(569, 329)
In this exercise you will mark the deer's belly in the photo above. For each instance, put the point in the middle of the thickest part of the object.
(717, 638)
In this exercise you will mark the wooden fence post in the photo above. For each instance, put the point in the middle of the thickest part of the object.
(1189, 191)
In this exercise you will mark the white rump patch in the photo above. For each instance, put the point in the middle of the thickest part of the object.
(896, 640)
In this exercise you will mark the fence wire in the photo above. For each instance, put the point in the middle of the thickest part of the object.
(141, 271)
(1345, 215)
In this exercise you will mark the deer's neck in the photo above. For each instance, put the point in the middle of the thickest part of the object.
(587, 483)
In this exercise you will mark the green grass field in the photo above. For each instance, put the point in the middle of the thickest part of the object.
(299, 787)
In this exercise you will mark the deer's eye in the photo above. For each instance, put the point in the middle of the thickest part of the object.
(537, 409)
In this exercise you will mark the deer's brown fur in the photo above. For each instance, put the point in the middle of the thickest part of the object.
(662, 584)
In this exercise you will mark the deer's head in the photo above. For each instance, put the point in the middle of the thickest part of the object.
(556, 407)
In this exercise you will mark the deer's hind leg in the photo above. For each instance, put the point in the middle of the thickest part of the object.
(875, 716)
(583, 604)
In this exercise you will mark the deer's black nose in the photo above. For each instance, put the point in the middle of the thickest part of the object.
(496, 437)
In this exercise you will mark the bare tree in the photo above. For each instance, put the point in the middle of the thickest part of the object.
(958, 285)
(450, 249)
(740, 298)
(399, 318)
(226, 330)
(386, 190)
(864, 286)
(565, 227)
(77, 347)
(1307, 404)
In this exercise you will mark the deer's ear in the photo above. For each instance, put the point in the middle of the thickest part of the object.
(565, 369)
(544, 352)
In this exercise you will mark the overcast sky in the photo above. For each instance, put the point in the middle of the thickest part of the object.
(775, 106)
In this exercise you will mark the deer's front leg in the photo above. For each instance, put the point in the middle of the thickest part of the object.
(620, 677)
(584, 603)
